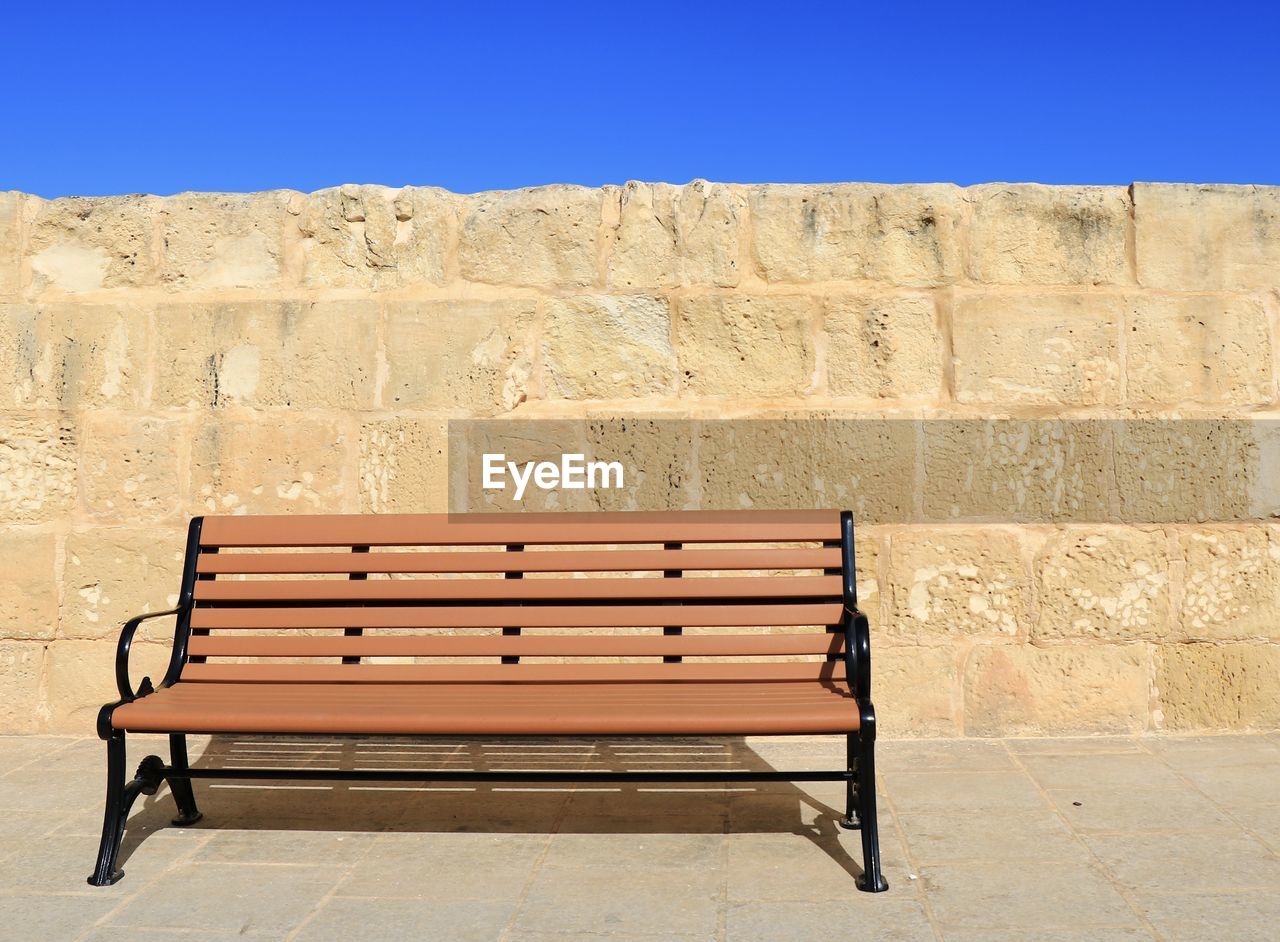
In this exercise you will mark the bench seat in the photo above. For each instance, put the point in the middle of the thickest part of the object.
(451, 709)
(706, 623)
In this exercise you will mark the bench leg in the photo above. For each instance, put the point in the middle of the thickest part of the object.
(188, 813)
(850, 820)
(872, 879)
(120, 798)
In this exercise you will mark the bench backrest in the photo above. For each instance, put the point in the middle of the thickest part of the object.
(682, 596)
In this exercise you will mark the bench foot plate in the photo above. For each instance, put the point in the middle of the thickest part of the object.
(186, 820)
(850, 823)
(865, 887)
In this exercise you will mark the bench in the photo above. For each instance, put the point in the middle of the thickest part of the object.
(651, 624)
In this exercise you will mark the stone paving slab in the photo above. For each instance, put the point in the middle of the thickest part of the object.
(1107, 839)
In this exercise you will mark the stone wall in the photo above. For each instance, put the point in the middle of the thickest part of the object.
(285, 352)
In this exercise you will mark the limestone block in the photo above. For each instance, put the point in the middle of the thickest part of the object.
(129, 466)
(28, 584)
(403, 466)
(10, 249)
(223, 240)
(1050, 349)
(21, 664)
(917, 691)
(38, 476)
(112, 574)
(815, 461)
(72, 356)
(947, 581)
(1210, 686)
(1193, 237)
(545, 236)
(472, 355)
(1110, 583)
(607, 347)
(376, 236)
(905, 235)
(1013, 690)
(868, 551)
(1185, 470)
(265, 466)
(746, 345)
(883, 347)
(1017, 470)
(1048, 235)
(657, 455)
(81, 678)
(1231, 584)
(81, 244)
(668, 236)
(267, 353)
(1208, 349)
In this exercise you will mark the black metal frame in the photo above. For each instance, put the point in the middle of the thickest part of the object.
(858, 774)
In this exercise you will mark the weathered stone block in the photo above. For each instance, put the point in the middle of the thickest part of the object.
(657, 455)
(1199, 349)
(112, 574)
(28, 585)
(1209, 686)
(376, 236)
(404, 466)
(1048, 235)
(749, 346)
(905, 235)
(1017, 470)
(947, 582)
(1015, 690)
(1185, 470)
(1056, 349)
(1230, 585)
(71, 356)
(10, 251)
(1110, 583)
(129, 466)
(545, 236)
(81, 244)
(917, 690)
(1194, 237)
(269, 467)
(668, 236)
(604, 347)
(223, 240)
(809, 462)
(21, 704)
(81, 678)
(474, 355)
(883, 347)
(267, 353)
(38, 476)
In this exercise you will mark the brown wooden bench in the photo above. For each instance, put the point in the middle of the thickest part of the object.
(655, 624)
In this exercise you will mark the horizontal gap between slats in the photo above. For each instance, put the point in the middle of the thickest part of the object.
(483, 616)
(503, 673)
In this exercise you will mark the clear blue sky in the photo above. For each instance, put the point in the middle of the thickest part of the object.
(118, 98)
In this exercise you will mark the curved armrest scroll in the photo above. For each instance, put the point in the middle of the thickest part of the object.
(127, 692)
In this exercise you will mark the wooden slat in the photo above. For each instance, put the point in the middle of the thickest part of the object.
(546, 561)
(528, 529)
(499, 673)
(428, 590)
(525, 645)
(533, 616)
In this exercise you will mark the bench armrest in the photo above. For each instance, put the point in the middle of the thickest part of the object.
(857, 640)
(127, 692)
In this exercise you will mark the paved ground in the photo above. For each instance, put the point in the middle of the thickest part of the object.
(1098, 839)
